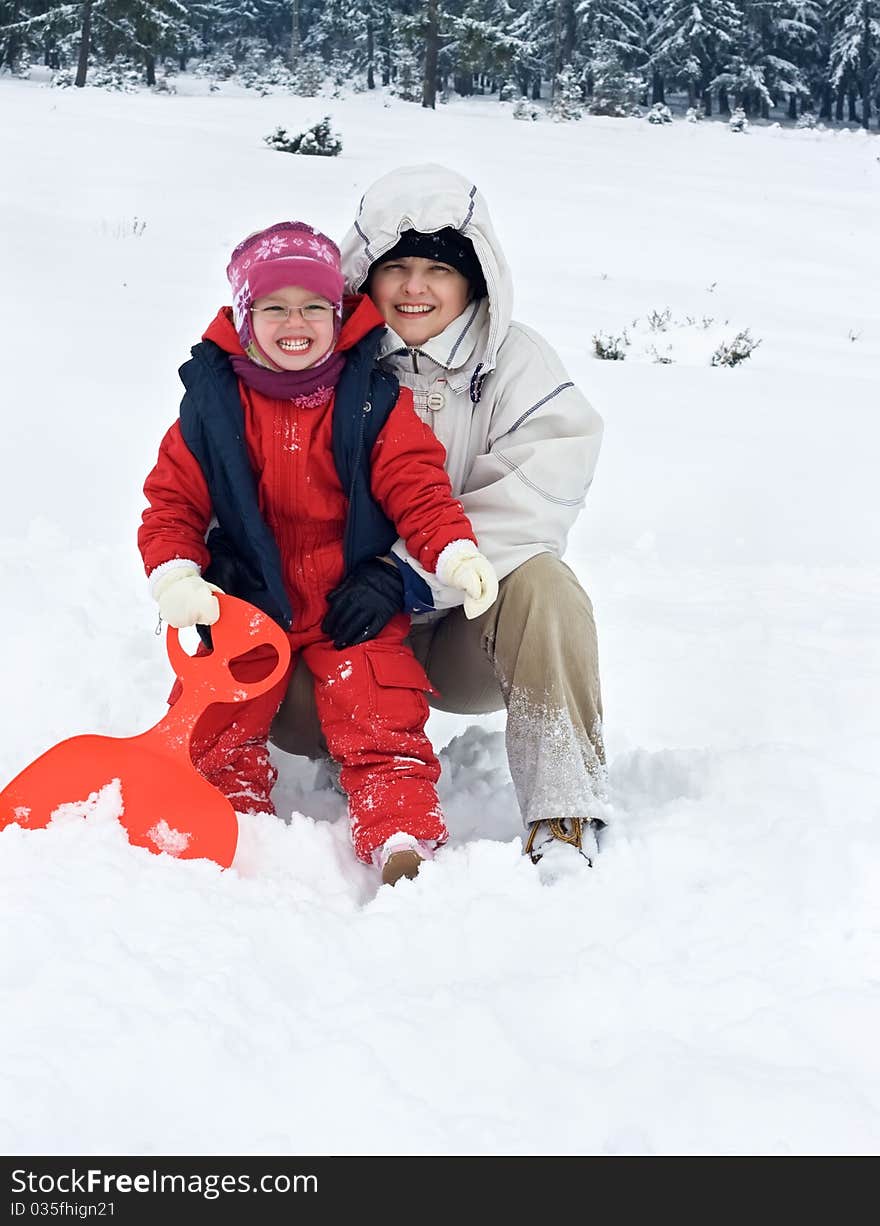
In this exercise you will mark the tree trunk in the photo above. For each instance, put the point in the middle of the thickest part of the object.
(792, 106)
(432, 46)
(866, 64)
(723, 104)
(658, 91)
(386, 48)
(85, 43)
(150, 66)
(569, 32)
(536, 88)
(853, 113)
(707, 102)
(825, 107)
(295, 36)
(557, 46)
(371, 50)
(9, 52)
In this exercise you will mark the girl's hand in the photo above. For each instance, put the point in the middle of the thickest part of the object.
(185, 598)
(462, 565)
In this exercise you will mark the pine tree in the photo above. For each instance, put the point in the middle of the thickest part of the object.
(759, 70)
(855, 48)
(692, 43)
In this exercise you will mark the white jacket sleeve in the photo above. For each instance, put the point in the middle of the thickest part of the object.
(528, 483)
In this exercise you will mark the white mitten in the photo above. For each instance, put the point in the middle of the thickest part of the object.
(462, 565)
(185, 598)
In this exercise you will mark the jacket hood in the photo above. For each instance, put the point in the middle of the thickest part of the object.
(359, 316)
(428, 198)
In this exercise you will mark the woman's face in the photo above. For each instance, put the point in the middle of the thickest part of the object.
(418, 297)
(293, 327)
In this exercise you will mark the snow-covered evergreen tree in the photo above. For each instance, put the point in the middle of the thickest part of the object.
(616, 89)
(568, 96)
(855, 49)
(691, 43)
(759, 73)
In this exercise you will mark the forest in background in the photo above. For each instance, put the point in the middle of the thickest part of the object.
(790, 59)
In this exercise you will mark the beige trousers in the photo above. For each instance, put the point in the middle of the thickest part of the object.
(535, 652)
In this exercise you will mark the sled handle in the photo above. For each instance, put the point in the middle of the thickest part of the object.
(240, 628)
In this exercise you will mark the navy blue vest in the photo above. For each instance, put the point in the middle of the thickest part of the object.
(245, 560)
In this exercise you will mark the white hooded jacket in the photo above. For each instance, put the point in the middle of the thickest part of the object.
(521, 440)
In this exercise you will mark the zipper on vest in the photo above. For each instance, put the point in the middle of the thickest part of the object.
(349, 525)
(413, 353)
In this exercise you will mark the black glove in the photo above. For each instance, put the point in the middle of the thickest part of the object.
(364, 602)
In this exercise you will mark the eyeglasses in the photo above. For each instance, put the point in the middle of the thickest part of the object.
(312, 312)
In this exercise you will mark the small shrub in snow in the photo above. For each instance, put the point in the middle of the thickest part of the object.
(124, 228)
(659, 113)
(610, 348)
(408, 82)
(506, 91)
(660, 338)
(806, 120)
(317, 141)
(568, 97)
(261, 70)
(525, 110)
(616, 90)
(308, 77)
(732, 353)
(738, 121)
(121, 75)
(219, 67)
(659, 321)
(694, 114)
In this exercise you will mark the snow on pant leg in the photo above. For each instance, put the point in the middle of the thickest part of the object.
(372, 707)
(539, 642)
(230, 742)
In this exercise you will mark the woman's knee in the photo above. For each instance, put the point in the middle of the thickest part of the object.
(546, 585)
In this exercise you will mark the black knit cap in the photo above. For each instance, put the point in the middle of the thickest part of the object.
(448, 246)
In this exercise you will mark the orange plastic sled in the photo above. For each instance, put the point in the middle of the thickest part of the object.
(167, 805)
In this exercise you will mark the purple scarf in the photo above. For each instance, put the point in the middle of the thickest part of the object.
(310, 388)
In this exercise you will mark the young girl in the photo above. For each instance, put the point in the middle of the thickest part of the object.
(306, 463)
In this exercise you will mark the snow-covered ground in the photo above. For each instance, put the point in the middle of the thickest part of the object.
(711, 986)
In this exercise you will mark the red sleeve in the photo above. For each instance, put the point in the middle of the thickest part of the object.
(411, 485)
(175, 522)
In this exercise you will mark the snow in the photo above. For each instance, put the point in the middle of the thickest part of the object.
(711, 985)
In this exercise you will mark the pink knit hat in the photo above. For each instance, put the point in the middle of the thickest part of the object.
(289, 253)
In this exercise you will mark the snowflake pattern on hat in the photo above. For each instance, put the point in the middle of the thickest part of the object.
(286, 254)
(273, 245)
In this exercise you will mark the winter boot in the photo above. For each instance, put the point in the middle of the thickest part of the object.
(562, 845)
(401, 856)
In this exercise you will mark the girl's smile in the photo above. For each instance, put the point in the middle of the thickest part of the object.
(293, 327)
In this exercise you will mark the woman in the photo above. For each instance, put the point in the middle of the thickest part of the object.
(522, 444)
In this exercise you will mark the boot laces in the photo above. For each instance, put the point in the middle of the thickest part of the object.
(557, 830)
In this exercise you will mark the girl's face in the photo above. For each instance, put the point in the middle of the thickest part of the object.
(418, 297)
(293, 327)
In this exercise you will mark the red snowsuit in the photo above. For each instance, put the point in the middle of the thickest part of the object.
(370, 697)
